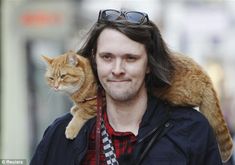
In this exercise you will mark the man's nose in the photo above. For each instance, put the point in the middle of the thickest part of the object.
(118, 68)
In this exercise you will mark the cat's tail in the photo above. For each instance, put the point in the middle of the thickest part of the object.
(210, 107)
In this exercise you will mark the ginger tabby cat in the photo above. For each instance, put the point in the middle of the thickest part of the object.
(190, 86)
(73, 75)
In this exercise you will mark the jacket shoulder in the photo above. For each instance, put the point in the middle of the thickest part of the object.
(61, 121)
(189, 122)
(193, 131)
(56, 129)
(58, 124)
(188, 115)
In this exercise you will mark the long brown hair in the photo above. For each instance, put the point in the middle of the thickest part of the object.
(159, 60)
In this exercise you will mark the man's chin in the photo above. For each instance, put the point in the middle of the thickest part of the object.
(121, 96)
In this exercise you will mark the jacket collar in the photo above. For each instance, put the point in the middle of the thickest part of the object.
(156, 111)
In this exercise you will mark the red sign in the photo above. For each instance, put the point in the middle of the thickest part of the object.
(41, 18)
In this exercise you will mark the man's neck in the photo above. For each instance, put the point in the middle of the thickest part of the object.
(126, 116)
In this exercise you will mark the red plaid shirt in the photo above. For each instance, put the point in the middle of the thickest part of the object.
(123, 143)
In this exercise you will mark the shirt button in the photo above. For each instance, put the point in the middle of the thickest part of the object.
(167, 124)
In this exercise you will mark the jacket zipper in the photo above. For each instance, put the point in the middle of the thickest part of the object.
(167, 125)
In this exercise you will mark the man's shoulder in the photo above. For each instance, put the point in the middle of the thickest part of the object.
(179, 113)
(189, 119)
(58, 125)
(187, 114)
(54, 143)
(62, 120)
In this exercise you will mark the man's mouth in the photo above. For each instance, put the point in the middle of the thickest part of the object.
(126, 80)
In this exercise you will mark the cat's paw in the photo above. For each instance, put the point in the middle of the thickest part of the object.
(71, 132)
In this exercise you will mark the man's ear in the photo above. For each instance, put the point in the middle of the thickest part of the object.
(47, 59)
(147, 70)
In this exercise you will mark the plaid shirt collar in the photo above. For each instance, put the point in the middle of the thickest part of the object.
(115, 134)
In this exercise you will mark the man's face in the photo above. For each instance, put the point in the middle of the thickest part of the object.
(121, 65)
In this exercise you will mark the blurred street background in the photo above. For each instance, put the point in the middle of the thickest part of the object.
(202, 29)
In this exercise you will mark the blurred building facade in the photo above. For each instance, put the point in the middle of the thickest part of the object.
(202, 29)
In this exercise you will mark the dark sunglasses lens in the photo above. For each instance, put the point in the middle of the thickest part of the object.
(135, 17)
(110, 15)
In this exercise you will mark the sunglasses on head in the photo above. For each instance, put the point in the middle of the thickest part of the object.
(131, 17)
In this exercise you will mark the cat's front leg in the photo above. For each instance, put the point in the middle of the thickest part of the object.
(75, 124)
(74, 109)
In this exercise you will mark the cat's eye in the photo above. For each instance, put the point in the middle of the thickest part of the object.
(62, 76)
(51, 78)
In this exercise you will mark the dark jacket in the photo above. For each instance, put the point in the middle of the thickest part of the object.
(187, 139)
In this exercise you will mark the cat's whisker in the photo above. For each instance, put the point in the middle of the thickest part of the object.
(42, 69)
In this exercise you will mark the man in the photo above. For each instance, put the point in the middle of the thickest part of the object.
(129, 59)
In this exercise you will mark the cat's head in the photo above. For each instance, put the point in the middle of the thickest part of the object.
(66, 72)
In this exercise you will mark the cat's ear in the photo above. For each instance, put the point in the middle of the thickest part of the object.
(72, 59)
(48, 60)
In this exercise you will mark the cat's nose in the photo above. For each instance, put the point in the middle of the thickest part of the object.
(56, 87)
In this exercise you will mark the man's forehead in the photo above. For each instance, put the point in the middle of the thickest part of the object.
(113, 41)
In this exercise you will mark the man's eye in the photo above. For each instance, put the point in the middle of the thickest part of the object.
(131, 59)
(106, 58)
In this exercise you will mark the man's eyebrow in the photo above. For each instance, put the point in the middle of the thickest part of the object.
(105, 53)
(126, 54)
(132, 54)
